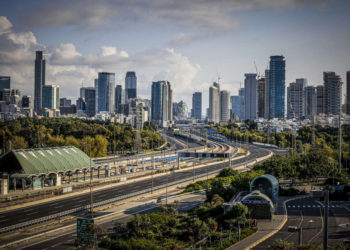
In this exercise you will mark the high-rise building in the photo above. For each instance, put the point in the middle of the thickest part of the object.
(261, 98)
(295, 99)
(310, 101)
(64, 102)
(89, 96)
(130, 86)
(347, 100)
(26, 102)
(250, 96)
(118, 98)
(39, 80)
(320, 99)
(225, 107)
(197, 105)
(181, 110)
(214, 103)
(5, 82)
(236, 102)
(277, 86)
(241, 93)
(81, 105)
(96, 99)
(267, 95)
(332, 93)
(50, 97)
(105, 90)
(162, 110)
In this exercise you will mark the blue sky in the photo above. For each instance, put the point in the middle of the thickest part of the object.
(185, 42)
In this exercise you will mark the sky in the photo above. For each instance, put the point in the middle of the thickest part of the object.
(187, 42)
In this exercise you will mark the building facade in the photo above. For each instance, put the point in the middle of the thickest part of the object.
(261, 98)
(225, 107)
(295, 100)
(89, 96)
(347, 100)
(105, 90)
(277, 87)
(320, 99)
(267, 95)
(214, 103)
(130, 86)
(50, 97)
(161, 100)
(5, 82)
(197, 105)
(332, 93)
(250, 96)
(310, 101)
(39, 79)
(118, 99)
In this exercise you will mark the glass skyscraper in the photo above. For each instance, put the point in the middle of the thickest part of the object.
(118, 98)
(130, 86)
(39, 80)
(277, 86)
(105, 95)
(50, 97)
(162, 107)
(197, 105)
(5, 82)
(89, 95)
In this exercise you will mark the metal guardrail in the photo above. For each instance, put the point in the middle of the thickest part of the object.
(101, 203)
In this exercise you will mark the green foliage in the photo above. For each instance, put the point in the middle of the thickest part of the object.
(228, 172)
(94, 137)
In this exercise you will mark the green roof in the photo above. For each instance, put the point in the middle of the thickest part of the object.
(41, 161)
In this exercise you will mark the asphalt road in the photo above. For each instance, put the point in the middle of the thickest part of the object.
(45, 209)
(67, 240)
(308, 214)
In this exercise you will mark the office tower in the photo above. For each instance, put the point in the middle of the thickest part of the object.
(175, 104)
(130, 86)
(295, 99)
(225, 106)
(50, 97)
(261, 98)
(267, 95)
(320, 99)
(332, 93)
(5, 82)
(214, 103)
(96, 99)
(106, 92)
(236, 102)
(89, 96)
(181, 111)
(310, 101)
(250, 96)
(347, 100)
(26, 101)
(39, 80)
(64, 102)
(161, 103)
(277, 86)
(81, 104)
(197, 105)
(118, 98)
(5, 95)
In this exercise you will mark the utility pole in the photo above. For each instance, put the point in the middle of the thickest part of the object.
(325, 230)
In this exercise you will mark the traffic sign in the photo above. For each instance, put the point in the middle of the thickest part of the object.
(84, 234)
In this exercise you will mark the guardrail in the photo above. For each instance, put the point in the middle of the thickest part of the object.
(101, 203)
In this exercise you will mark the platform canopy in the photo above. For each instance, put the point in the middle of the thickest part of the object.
(44, 161)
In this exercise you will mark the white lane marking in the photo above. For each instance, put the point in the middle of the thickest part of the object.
(313, 206)
(298, 206)
(3, 220)
(52, 204)
(56, 245)
(59, 206)
(308, 206)
(32, 213)
(29, 209)
(293, 206)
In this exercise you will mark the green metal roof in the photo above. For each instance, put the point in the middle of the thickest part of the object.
(44, 160)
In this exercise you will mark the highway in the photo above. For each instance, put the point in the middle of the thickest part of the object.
(308, 214)
(45, 209)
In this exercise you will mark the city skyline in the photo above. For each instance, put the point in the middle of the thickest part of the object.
(76, 50)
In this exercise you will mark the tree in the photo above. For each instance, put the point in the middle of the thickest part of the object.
(19, 142)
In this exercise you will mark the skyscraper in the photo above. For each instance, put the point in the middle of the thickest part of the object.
(5, 82)
(267, 95)
(261, 97)
(89, 96)
(214, 103)
(118, 98)
(347, 100)
(106, 91)
(250, 96)
(310, 101)
(295, 99)
(130, 86)
(277, 86)
(50, 97)
(197, 105)
(241, 93)
(225, 106)
(162, 110)
(236, 105)
(320, 99)
(39, 80)
(332, 93)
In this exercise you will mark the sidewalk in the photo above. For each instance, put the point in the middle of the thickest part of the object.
(266, 228)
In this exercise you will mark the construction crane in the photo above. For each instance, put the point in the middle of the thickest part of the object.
(256, 69)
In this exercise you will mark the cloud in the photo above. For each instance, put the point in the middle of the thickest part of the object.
(5, 25)
(67, 67)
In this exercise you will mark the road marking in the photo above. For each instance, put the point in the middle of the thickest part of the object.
(3, 220)
(56, 245)
(308, 206)
(32, 213)
(29, 209)
(59, 206)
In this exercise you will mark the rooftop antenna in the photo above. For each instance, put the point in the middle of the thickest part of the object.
(256, 69)
(219, 78)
